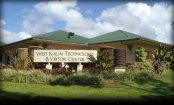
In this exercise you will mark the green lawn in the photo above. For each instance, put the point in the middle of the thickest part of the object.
(131, 91)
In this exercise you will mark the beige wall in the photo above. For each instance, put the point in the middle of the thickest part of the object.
(130, 55)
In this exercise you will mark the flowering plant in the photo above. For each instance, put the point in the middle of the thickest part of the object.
(59, 70)
(45, 70)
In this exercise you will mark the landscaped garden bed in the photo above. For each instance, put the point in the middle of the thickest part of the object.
(117, 91)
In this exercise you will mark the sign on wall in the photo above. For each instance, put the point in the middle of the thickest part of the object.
(63, 55)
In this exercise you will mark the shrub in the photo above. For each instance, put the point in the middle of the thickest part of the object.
(59, 70)
(6, 74)
(94, 70)
(108, 76)
(163, 66)
(84, 79)
(103, 61)
(22, 64)
(34, 76)
(137, 76)
(126, 76)
(163, 57)
(146, 65)
(45, 70)
(145, 75)
(131, 75)
(78, 79)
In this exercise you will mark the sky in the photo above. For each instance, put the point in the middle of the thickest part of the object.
(23, 19)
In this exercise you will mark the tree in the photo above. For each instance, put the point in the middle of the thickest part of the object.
(162, 58)
(140, 54)
(103, 62)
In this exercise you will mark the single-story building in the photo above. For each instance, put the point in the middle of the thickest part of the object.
(120, 44)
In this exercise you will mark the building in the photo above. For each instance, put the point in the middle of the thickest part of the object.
(120, 44)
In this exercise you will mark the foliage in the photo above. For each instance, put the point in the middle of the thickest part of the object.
(108, 76)
(165, 55)
(163, 66)
(140, 54)
(33, 76)
(22, 64)
(91, 70)
(145, 75)
(78, 79)
(59, 70)
(145, 65)
(131, 75)
(45, 70)
(56, 71)
(160, 90)
(37, 76)
(38, 65)
(163, 58)
(103, 62)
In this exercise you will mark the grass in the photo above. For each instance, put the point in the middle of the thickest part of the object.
(129, 91)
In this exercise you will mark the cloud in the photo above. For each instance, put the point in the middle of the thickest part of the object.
(43, 15)
(8, 36)
(2, 22)
(152, 21)
(140, 18)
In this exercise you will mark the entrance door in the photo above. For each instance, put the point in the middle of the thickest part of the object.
(119, 57)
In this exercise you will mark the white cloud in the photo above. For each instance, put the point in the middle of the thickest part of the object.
(2, 22)
(41, 26)
(9, 37)
(139, 18)
(44, 14)
(57, 11)
(149, 21)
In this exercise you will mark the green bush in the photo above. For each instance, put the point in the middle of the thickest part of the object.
(145, 65)
(103, 61)
(130, 75)
(163, 66)
(6, 74)
(163, 58)
(83, 78)
(145, 75)
(108, 76)
(78, 79)
(127, 76)
(33, 76)
(22, 64)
